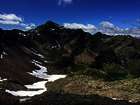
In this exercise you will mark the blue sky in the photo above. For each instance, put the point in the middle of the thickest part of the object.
(121, 13)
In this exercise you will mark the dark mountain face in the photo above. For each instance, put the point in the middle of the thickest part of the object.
(62, 48)
(51, 42)
(64, 51)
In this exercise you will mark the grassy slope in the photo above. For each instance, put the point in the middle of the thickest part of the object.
(127, 89)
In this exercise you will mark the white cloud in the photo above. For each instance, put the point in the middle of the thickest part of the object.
(28, 26)
(13, 19)
(133, 31)
(9, 22)
(108, 28)
(106, 24)
(60, 2)
(111, 29)
(10, 19)
(105, 27)
(87, 28)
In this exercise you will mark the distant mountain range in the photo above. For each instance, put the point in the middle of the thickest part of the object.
(105, 27)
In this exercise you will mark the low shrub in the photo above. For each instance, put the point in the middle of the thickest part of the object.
(114, 71)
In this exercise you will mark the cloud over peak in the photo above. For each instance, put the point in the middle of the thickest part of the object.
(87, 28)
(105, 27)
(107, 24)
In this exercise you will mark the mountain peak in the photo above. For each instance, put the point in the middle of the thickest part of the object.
(101, 35)
(49, 25)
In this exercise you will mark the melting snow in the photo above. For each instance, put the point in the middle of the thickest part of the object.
(39, 87)
(1, 80)
(22, 34)
(3, 54)
(24, 99)
(41, 73)
(52, 78)
(39, 55)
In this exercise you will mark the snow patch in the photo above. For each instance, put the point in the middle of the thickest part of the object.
(41, 73)
(52, 78)
(38, 85)
(35, 52)
(39, 55)
(3, 54)
(24, 99)
(38, 88)
(1, 80)
(114, 98)
(22, 34)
